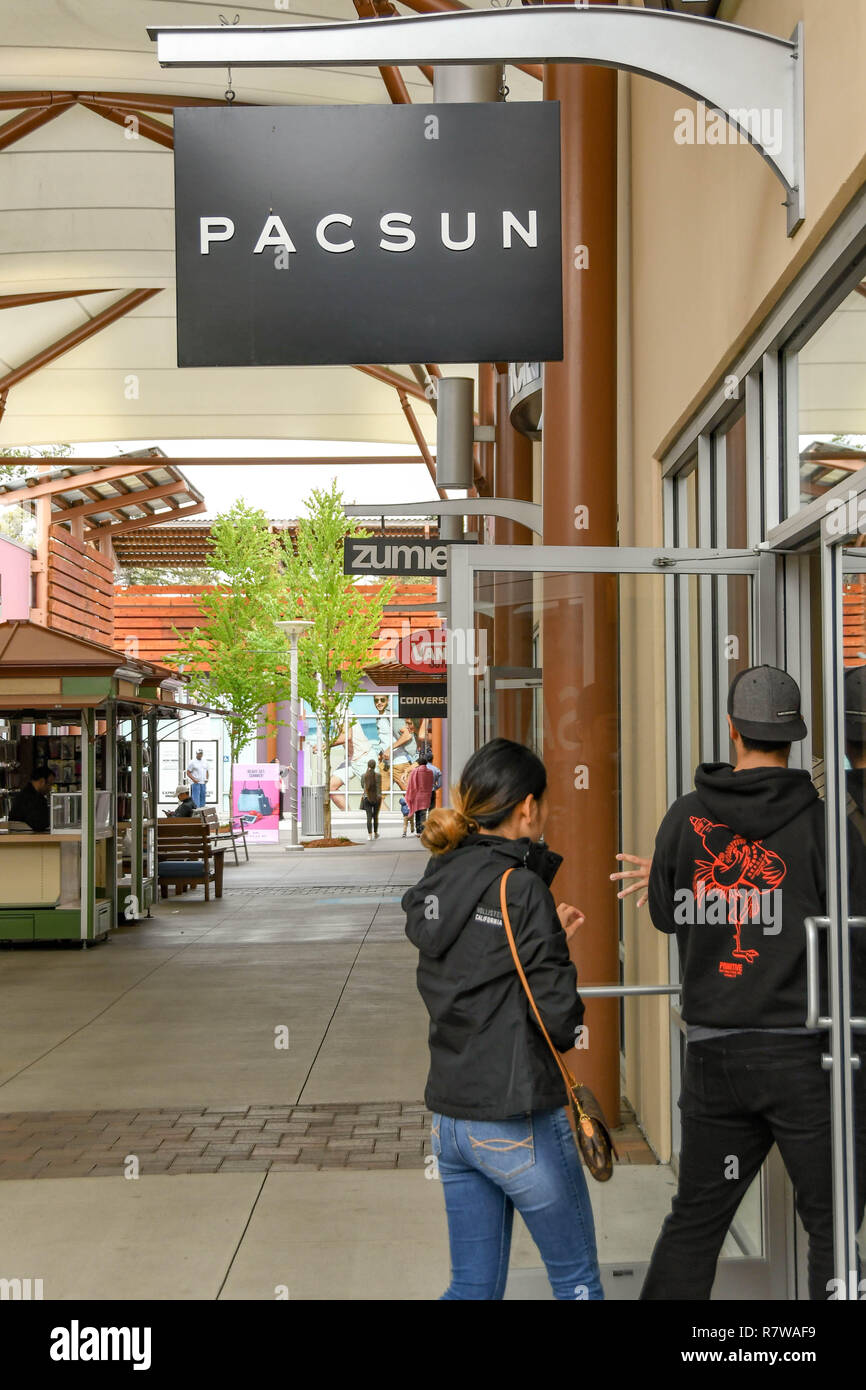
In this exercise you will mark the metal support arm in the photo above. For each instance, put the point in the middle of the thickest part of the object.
(755, 80)
(528, 514)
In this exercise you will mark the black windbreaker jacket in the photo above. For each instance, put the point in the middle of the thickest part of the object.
(488, 1057)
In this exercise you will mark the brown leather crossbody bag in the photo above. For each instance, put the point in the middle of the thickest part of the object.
(591, 1130)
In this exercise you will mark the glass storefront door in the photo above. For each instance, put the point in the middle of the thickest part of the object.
(614, 664)
(838, 941)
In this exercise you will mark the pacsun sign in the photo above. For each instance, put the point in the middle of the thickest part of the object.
(368, 234)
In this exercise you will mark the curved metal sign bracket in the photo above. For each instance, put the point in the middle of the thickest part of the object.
(527, 514)
(754, 80)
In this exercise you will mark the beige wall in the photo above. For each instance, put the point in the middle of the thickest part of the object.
(710, 253)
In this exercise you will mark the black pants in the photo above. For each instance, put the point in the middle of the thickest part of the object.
(420, 817)
(372, 809)
(740, 1095)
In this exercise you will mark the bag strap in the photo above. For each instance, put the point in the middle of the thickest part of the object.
(566, 1074)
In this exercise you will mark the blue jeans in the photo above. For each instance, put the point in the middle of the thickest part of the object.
(198, 792)
(530, 1161)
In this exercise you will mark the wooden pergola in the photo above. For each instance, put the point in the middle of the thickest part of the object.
(81, 510)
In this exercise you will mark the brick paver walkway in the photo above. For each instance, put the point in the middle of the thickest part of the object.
(237, 1139)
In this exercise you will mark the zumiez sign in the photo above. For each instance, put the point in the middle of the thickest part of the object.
(314, 235)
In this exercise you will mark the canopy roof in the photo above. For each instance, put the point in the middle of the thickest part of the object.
(87, 235)
(114, 498)
(26, 646)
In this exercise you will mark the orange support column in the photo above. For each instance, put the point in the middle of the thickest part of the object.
(512, 633)
(579, 629)
(436, 740)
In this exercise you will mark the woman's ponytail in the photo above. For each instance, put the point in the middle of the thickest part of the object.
(446, 827)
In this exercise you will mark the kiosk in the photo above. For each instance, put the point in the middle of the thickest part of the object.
(90, 714)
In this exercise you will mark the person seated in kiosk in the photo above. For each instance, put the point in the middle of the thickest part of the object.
(30, 805)
(185, 806)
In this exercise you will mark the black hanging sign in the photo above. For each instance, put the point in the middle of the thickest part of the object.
(427, 700)
(373, 555)
(370, 234)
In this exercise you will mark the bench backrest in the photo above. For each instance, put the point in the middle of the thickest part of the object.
(209, 815)
(186, 838)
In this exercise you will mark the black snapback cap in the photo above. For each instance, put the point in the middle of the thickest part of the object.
(764, 704)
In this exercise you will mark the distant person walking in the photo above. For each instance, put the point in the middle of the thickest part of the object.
(196, 771)
(372, 798)
(419, 790)
(501, 1137)
(437, 780)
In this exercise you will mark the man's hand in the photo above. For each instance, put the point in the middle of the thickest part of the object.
(571, 919)
(640, 875)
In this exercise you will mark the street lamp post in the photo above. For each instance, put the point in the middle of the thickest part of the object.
(293, 629)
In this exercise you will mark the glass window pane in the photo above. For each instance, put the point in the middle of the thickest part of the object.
(831, 400)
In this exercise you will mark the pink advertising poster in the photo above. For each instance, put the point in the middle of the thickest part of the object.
(256, 800)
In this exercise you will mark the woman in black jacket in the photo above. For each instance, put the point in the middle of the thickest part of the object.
(501, 1137)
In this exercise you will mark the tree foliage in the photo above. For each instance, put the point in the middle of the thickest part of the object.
(345, 616)
(236, 659)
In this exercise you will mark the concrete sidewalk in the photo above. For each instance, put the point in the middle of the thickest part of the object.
(256, 1065)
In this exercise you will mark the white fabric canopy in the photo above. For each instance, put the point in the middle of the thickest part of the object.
(83, 207)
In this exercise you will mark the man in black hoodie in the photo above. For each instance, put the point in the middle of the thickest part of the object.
(738, 865)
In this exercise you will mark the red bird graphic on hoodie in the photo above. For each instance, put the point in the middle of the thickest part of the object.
(739, 870)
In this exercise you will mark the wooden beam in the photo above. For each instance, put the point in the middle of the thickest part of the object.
(448, 7)
(46, 487)
(115, 311)
(97, 533)
(391, 76)
(97, 497)
(18, 301)
(28, 121)
(388, 378)
(128, 499)
(123, 487)
(146, 101)
(158, 131)
(412, 421)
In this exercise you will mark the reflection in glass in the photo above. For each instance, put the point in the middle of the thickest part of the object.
(854, 688)
(831, 408)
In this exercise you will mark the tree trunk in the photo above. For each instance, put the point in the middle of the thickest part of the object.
(327, 778)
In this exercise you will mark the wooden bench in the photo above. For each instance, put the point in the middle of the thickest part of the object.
(186, 855)
(233, 831)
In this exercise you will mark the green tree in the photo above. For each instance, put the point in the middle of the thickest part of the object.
(346, 616)
(237, 659)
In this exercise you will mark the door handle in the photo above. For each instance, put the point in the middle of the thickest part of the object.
(814, 1018)
(813, 985)
(623, 991)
